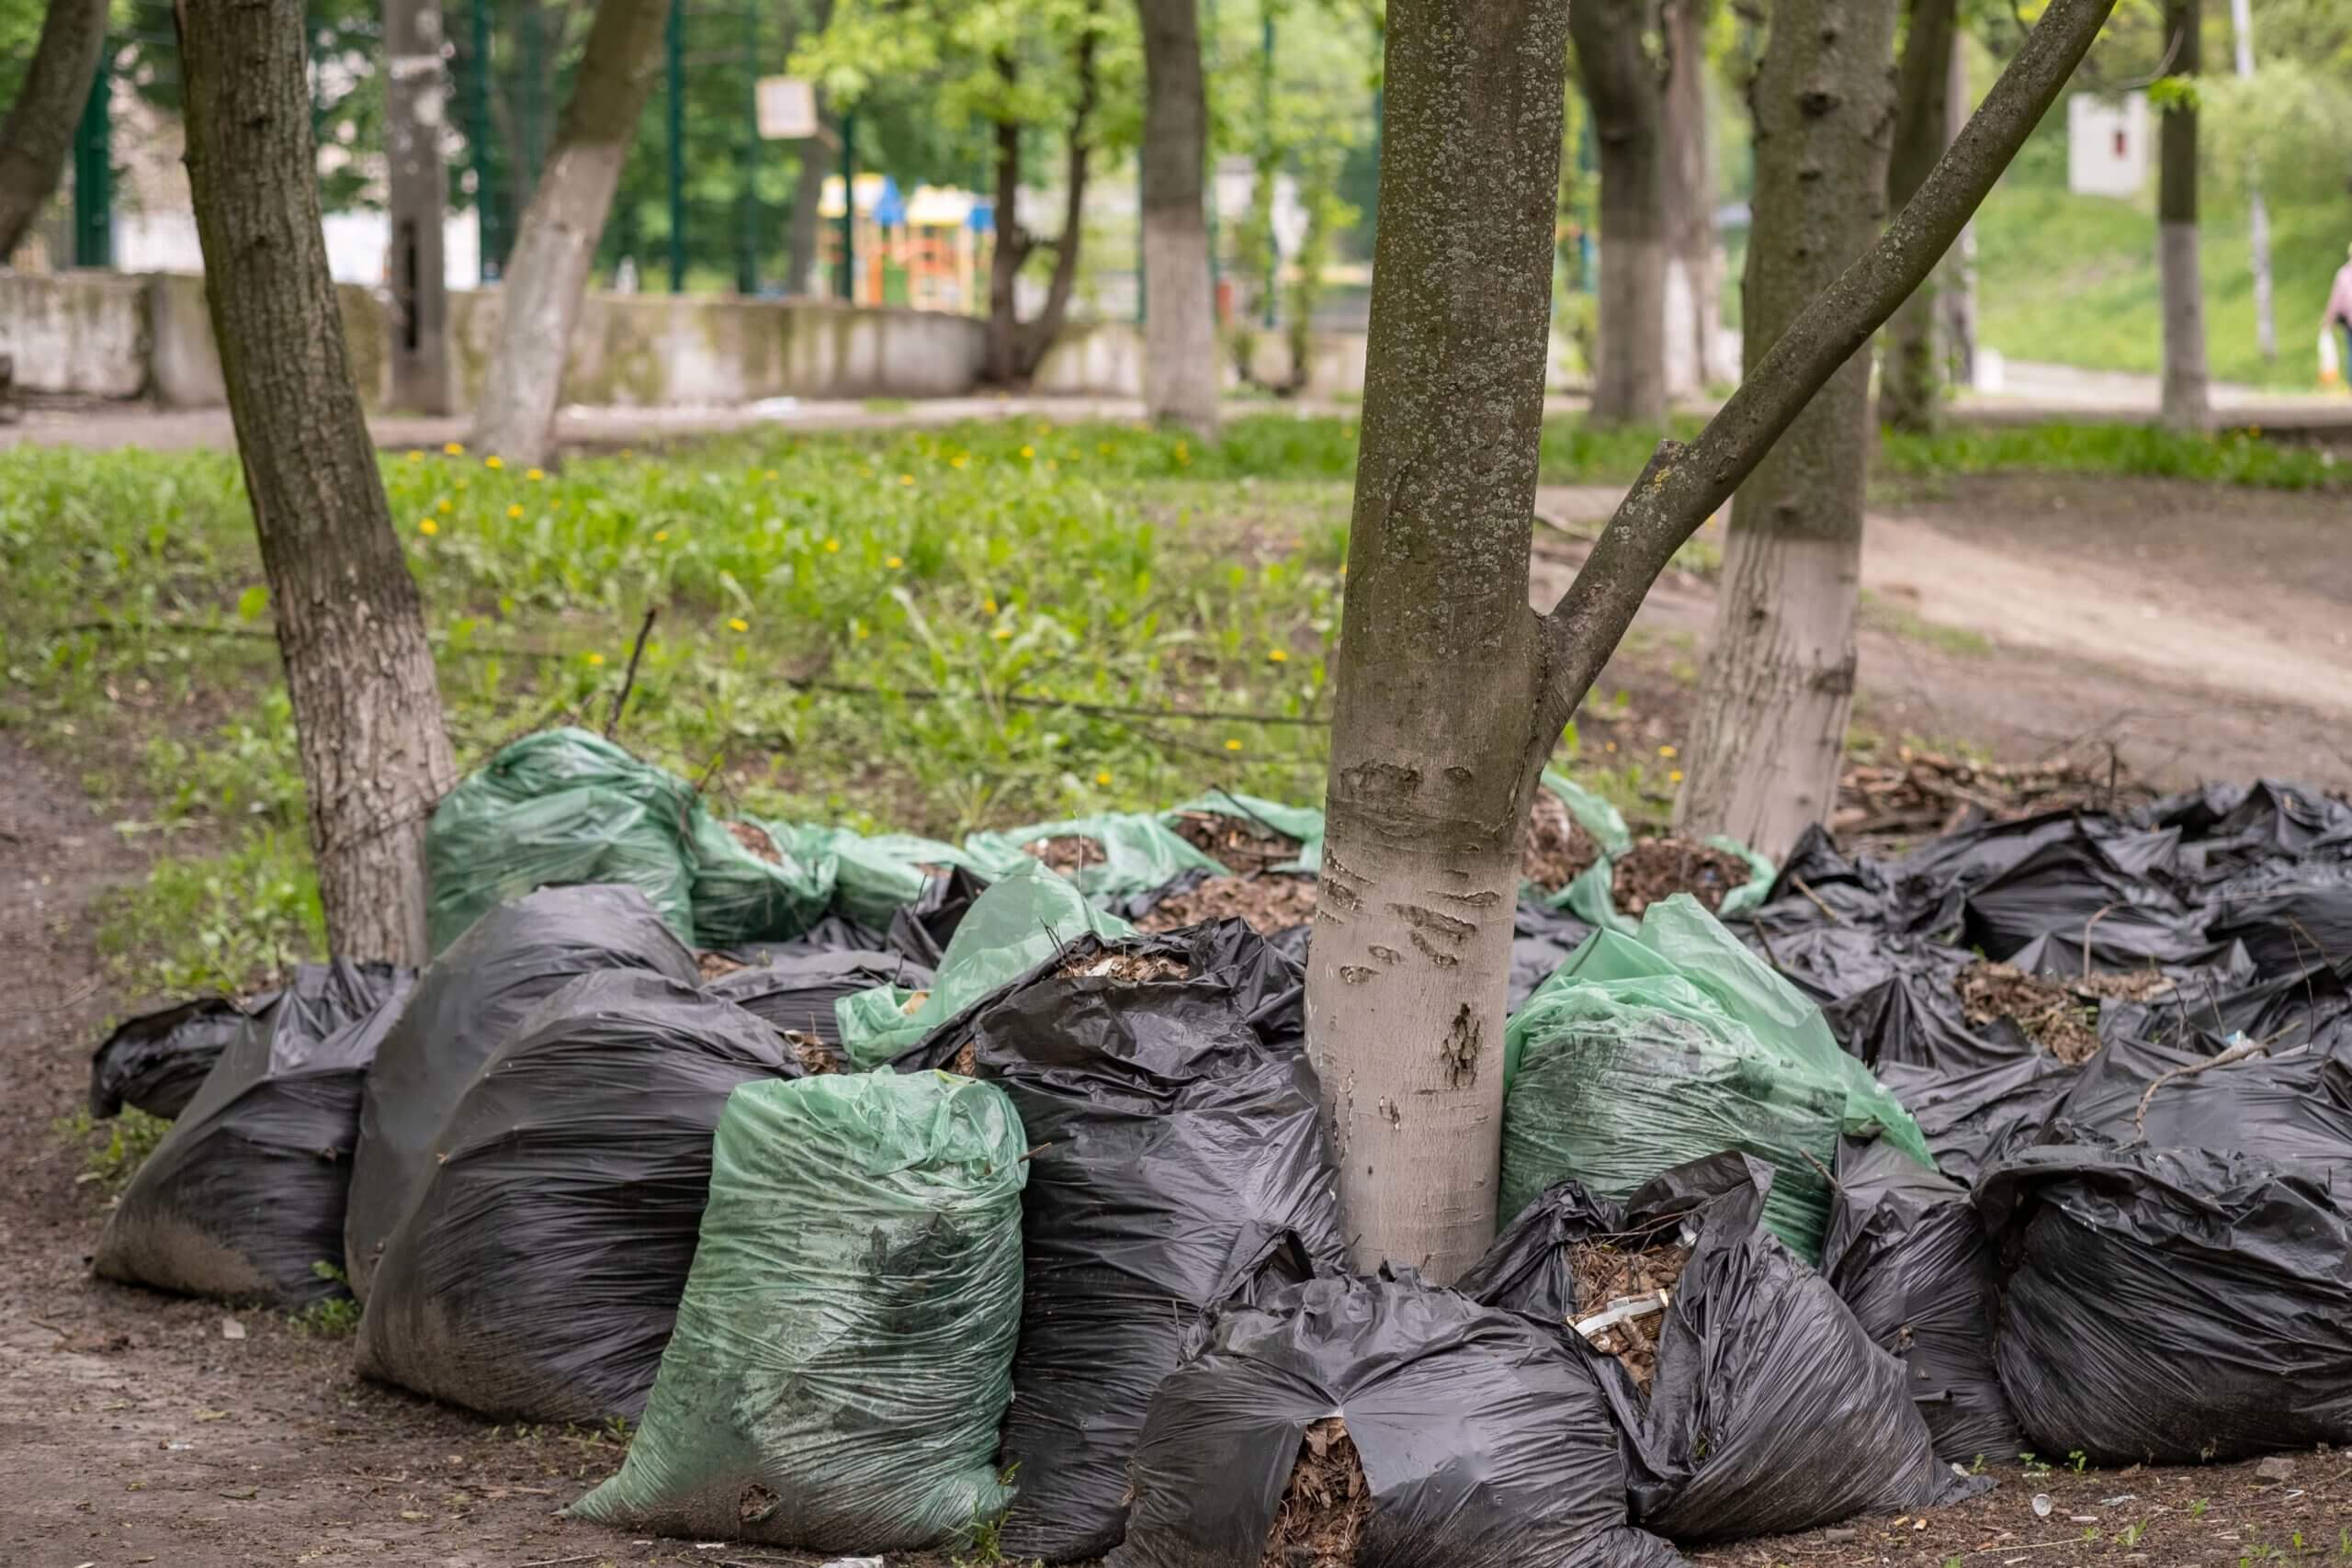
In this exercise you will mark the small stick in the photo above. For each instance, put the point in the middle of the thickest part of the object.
(2086, 935)
(1817, 902)
(2238, 1052)
(628, 682)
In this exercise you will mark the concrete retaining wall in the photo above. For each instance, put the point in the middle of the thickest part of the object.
(82, 333)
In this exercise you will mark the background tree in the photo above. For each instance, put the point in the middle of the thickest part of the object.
(1693, 295)
(1450, 692)
(1624, 85)
(417, 99)
(2185, 392)
(540, 300)
(350, 626)
(1179, 363)
(1910, 392)
(1779, 682)
(38, 131)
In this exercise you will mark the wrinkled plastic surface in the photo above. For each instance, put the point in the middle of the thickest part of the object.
(1971, 1120)
(560, 807)
(1543, 937)
(1486, 1440)
(244, 1196)
(800, 992)
(878, 873)
(2292, 1104)
(1138, 852)
(740, 897)
(1014, 928)
(2174, 1306)
(1908, 1254)
(842, 1351)
(536, 1274)
(156, 1062)
(1644, 1053)
(1304, 823)
(1180, 1160)
(466, 1003)
(1770, 1409)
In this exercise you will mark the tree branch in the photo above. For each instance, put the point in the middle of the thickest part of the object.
(1684, 482)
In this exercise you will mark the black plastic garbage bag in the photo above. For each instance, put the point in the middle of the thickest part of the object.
(2306, 1008)
(1907, 1253)
(156, 1062)
(467, 1004)
(1818, 885)
(536, 1274)
(1541, 939)
(1180, 1160)
(244, 1197)
(795, 993)
(1482, 1434)
(1889, 998)
(2290, 1103)
(2173, 1306)
(922, 929)
(2289, 917)
(1770, 1408)
(2094, 894)
(1972, 1119)
(2237, 827)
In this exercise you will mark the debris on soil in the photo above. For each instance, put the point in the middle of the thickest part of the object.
(816, 1057)
(1659, 868)
(1270, 903)
(756, 1503)
(1324, 1507)
(1559, 849)
(1926, 794)
(1605, 1276)
(713, 965)
(2052, 1014)
(2132, 986)
(756, 842)
(967, 1060)
(1068, 853)
(1131, 968)
(1240, 842)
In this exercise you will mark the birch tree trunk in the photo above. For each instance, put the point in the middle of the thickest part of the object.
(2185, 392)
(350, 627)
(1180, 360)
(1693, 296)
(1450, 692)
(38, 131)
(1627, 92)
(1779, 682)
(546, 275)
(1910, 389)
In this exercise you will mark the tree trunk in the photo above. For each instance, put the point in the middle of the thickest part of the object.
(1694, 302)
(2185, 394)
(415, 95)
(1957, 299)
(38, 131)
(350, 624)
(2257, 214)
(808, 183)
(1034, 339)
(1910, 391)
(1007, 256)
(1780, 677)
(1179, 363)
(1627, 93)
(540, 300)
(1450, 692)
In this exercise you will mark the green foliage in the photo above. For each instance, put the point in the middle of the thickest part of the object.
(114, 1149)
(2227, 457)
(218, 923)
(337, 1317)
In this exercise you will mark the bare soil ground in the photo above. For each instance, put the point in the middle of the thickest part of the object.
(132, 1430)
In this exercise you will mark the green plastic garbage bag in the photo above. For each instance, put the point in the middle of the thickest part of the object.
(844, 1350)
(562, 807)
(1672, 1045)
(1010, 929)
(1593, 898)
(1304, 823)
(743, 895)
(1128, 853)
(882, 873)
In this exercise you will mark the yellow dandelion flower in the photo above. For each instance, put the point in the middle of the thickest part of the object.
(1102, 448)
(455, 448)
(515, 509)
(415, 456)
(661, 536)
(1666, 751)
(1028, 451)
(1043, 429)
(443, 506)
(1103, 778)
(860, 629)
(960, 460)
(1609, 746)
(535, 475)
(1277, 655)
(493, 462)
(738, 623)
(832, 546)
(906, 479)
(894, 563)
(596, 659)
(769, 476)
(988, 605)
(1051, 465)
(1675, 777)
(428, 527)
(1232, 744)
(460, 484)
(1002, 634)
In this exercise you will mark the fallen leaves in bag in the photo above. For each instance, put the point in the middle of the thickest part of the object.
(715, 965)
(2060, 1016)
(1324, 1507)
(1270, 903)
(1605, 1275)
(815, 1055)
(1558, 850)
(1238, 841)
(1658, 869)
(1130, 968)
(756, 842)
(1068, 853)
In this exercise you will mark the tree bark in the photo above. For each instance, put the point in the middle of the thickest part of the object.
(350, 624)
(539, 300)
(1450, 692)
(808, 183)
(38, 131)
(1015, 348)
(1957, 297)
(2185, 393)
(1910, 391)
(1010, 252)
(1694, 297)
(1779, 684)
(416, 93)
(1627, 92)
(1180, 362)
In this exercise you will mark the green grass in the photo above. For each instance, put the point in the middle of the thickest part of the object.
(114, 1149)
(2230, 457)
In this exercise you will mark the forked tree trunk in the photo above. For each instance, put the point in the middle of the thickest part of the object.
(1450, 691)
(539, 300)
(1179, 364)
(350, 626)
(1627, 94)
(2185, 392)
(1779, 684)
(1015, 348)
(1008, 255)
(1693, 299)
(1910, 387)
(38, 131)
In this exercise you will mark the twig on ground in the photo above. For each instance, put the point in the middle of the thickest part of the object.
(2240, 1052)
(628, 682)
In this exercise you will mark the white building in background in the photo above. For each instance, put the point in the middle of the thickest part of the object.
(2110, 145)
